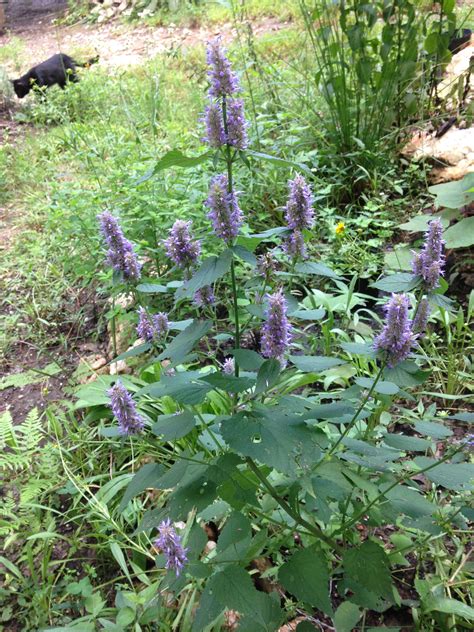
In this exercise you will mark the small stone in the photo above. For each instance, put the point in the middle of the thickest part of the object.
(119, 367)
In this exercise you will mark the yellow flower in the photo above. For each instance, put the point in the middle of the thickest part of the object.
(340, 228)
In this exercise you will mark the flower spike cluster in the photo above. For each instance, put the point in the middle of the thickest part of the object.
(299, 209)
(224, 210)
(151, 328)
(420, 320)
(120, 254)
(396, 338)
(429, 263)
(180, 247)
(125, 410)
(204, 297)
(276, 330)
(294, 245)
(224, 81)
(215, 133)
(169, 543)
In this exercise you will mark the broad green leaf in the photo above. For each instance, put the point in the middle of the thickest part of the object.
(309, 314)
(432, 429)
(229, 383)
(454, 194)
(283, 442)
(319, 269)
(315, 364)
(410, 502)
(185, 341)
(235, 485)
(461, 235)
(184, 388)
(210, 270)
(399, 258)
(402, 282)
(382, 387)
(278, 161)
(134, 351)
(267, 375)
(458, 476)
(306, 576)
(367, 574)
(467, 418)
(346, 617)
(271, 232)
(151, 288)
(234, 539)
(176, 158)
(172, 427)
(406, 374)
(403, 442)
(246, 255)
(248, 360)
(359, 348)
(450, 606)
(147, 476)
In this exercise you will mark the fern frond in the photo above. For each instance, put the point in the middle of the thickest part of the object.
(7, 432)
(32, 431)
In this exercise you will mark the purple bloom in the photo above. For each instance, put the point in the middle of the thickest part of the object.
(215, 134)
(125, 410)
(229, 366)
(430, 261)
(266, 264)
(180, 247)
(224, 81)
(224, 211)
(169, 543)
(299, 208)
(397, 337)
(120, 253)
(204, 297)
(145, 326)
(160, 324)
(420, 320)
(276, 330)
(294, 245)
(236, 124)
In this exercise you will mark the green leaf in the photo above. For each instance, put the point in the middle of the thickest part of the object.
(246, 255)
(185, 341)
(278, 161)
(359, 348)
(306, 576)
(402, 442)
(248, 360)
(312, 267)
(450, 606)
(172, 427)
(229, 383)
(367, 575)
(315, 364)
(461, 235)
(401, 282)
(120, 559)
(432, 429)
(457, 476)
(346, 617)
(210, 270)
(229, 589)
(409, 502)
(283, 442)
(384, 388)
(309, 314)
(454, 194)
(234, 539)
(152, 288)
(267, 375)
(176, 158)
(134, 351)
(184, 388)
(147, 476)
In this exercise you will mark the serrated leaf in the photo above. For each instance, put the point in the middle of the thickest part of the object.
(151, 288)
(367, 574)
(454, 194)
(133, 352)
(346, 617)
(461, 235)
(184, 342)
(315, 364)
(172, 427)
(319, 269)
(229, 383)
(382, 387)
(281, 162)
(245, 254)
(402, 442)
(456, 476)
(210, 270)
(306, 576)
(248, 360)
(147, 476)
(401, 282)
(410, 502)
(185, 388)
(285, 443)
(176, 158)
(309, 314)
(267, 375)
(359, 348)
(432, 429)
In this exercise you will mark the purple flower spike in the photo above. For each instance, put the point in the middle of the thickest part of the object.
(224, 81)
(236, 124)
(429, 262)
(397, 337)
(294, 245)
(229, 366)
(224, 211)
(120, 254)
(180, 247)
(266, 264)
(170, 544)
(215, 134)
(145, 328)
(125, 410)
(160, 324)
(421, 317)
(276, 330)
(299, 209)
(204, 297)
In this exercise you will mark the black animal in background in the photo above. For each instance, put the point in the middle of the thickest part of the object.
(57, 70)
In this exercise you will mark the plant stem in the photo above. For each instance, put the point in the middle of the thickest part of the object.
(313, 529)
